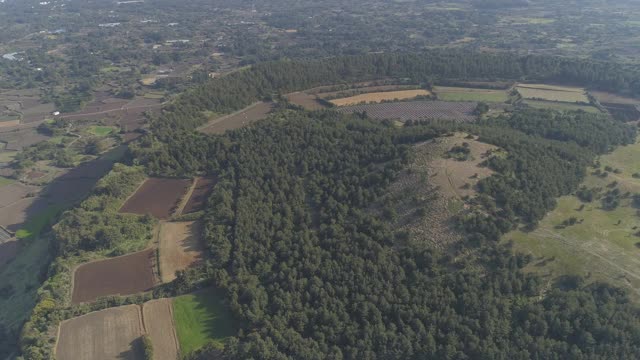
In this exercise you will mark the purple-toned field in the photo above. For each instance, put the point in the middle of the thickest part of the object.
(416, 110)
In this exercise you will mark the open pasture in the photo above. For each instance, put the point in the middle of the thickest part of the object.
(553, 93)
(560, 106)
(201, 191)
(124, 275)
(448, 93)
(202, 318)
(180, 247)
(102, 335)
(238, 119)
(157, 196)
(603, 245)
(377, 97)
(417, 110)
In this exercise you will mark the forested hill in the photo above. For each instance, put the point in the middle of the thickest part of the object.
(241, 88)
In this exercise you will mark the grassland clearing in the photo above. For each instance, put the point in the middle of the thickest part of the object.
(103, 335)
(553, 93)
(124, 275)
(435, 187)
(244, 117)
(157, 196)
(101, 130)
(180, 247)
(417, 110)
(560, 106)
(202, 318)
(602, 245)
(377, 97)
(159, 324)
(448, 93)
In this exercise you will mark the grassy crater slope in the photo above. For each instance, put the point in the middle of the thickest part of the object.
(603, 244)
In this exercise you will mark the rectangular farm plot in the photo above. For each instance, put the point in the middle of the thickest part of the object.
(180, 247)
(380, 96)
(202, 318)
(124, 275)
(201, 192)
(103, 335)
(417, 110)
(470, 94)
(158, 197)
(553, 93)
(244, 117)
(158, 321)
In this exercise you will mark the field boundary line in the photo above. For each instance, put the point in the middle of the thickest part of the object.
(212, 122)
(141, 319)
(133, 193)
(173, 325)
(186, 197)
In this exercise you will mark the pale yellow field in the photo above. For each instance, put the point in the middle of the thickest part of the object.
(380, 96)
(553, 93)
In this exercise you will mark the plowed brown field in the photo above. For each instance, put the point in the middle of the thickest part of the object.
(158, 321)
(199, 196)
(158, 197)
(124, 275)
(103, 335)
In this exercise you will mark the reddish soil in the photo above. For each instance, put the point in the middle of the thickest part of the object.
(8, 251)
(201, 192)
(158, 197)
(124, 275)
(238, 119)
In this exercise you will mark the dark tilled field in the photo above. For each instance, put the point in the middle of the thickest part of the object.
(158, 197)
(125, 275)
(201, 192)
(417, 110)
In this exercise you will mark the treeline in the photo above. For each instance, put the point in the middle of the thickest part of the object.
(93, 229)
(315, 274)
(264, 81)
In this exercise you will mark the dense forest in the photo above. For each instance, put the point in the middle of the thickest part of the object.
(314, 274)
(311, 272)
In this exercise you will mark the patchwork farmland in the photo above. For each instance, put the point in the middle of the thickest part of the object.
(159, 324)
(553, 93)
(417, 110)
(180, 247)
(157, 196)
(447, 93)
(124, 275)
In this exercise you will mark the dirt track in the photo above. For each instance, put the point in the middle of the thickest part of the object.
(124, 275)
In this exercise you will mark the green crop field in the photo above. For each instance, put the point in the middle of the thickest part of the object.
(560, 106)
(201, 318)
(604, 244)
(101, 130)
(468, 94)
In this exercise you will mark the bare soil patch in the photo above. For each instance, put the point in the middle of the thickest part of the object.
(431, 190)
(307, 101)
(248, 115)
(103, 335)
(124, 275)
(159, 324)
(157, 196)
(17, 140)
(180, 247)
(202, 190)
(417, 110)
(380, 96)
